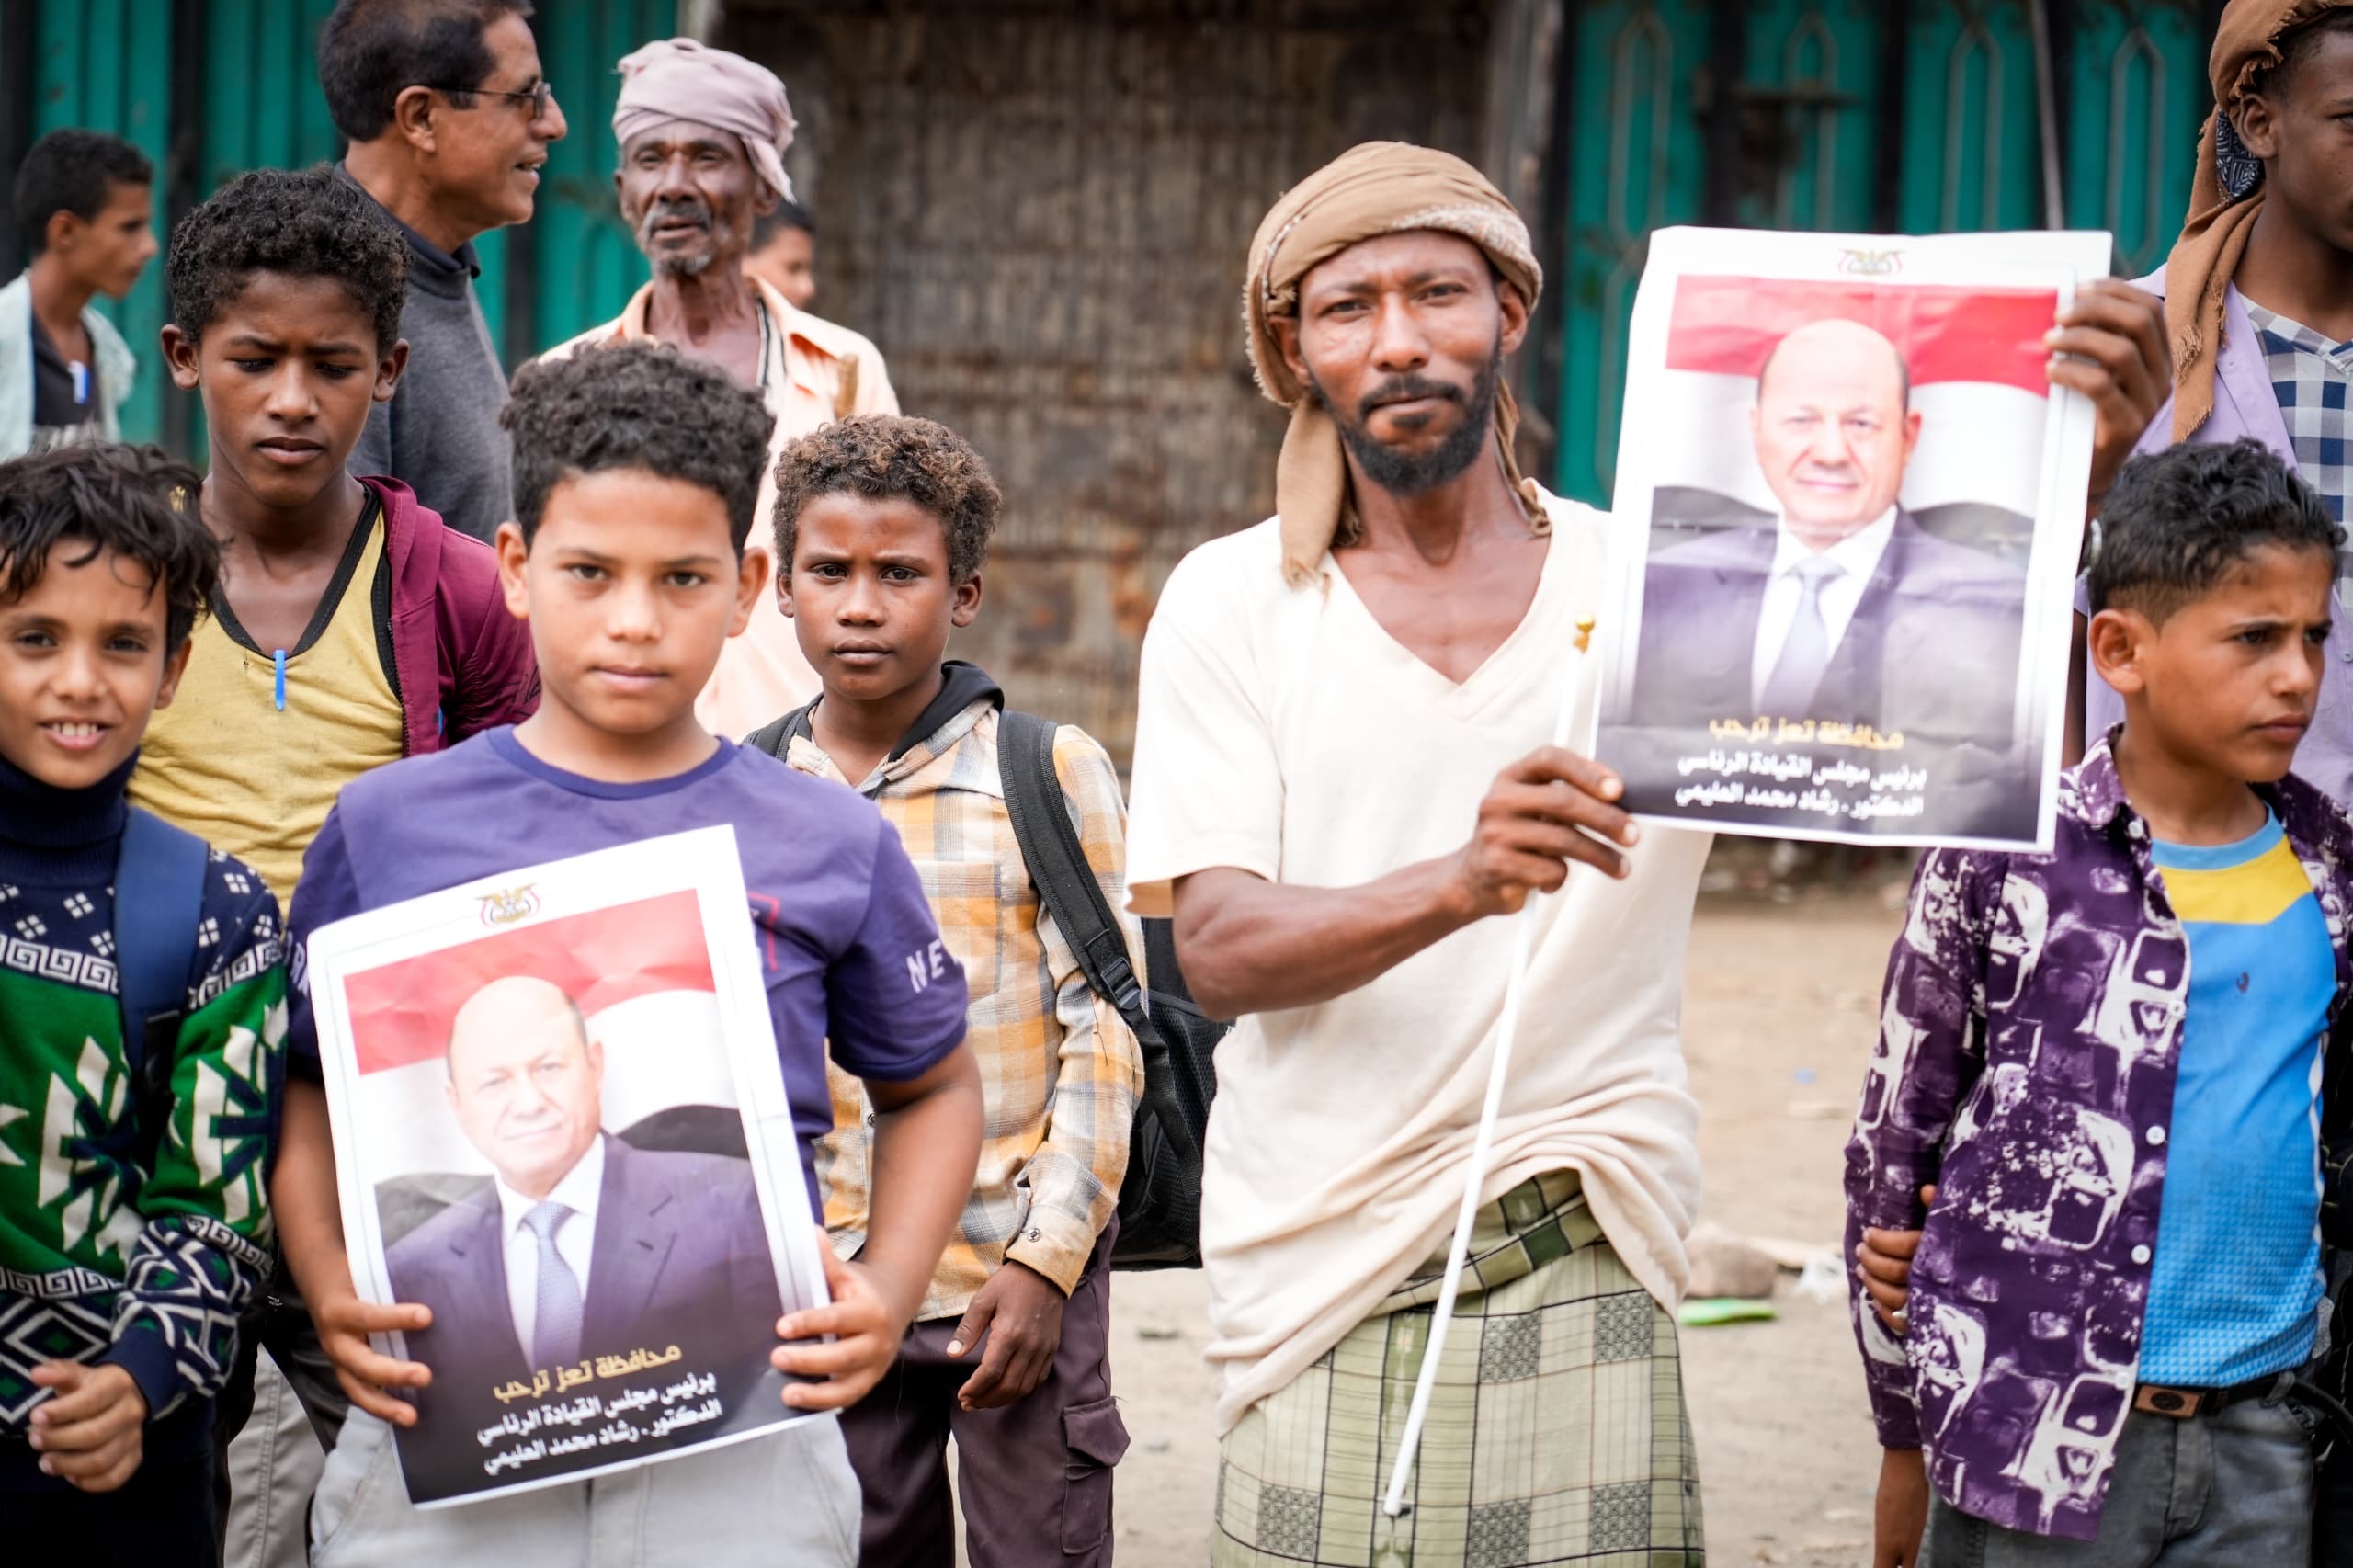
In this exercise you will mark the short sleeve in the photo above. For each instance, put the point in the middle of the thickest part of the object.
(1208, 788)
(329, 891)
(895, 996)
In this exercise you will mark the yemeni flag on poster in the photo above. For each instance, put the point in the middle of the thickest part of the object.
(639, 976)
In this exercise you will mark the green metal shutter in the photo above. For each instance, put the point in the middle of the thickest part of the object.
(107, 66)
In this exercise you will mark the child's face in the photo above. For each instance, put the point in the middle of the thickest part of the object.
(109, 251)
(631, 585)
(81, 665)
(289, 371)
(2228, 681)
(871, 597)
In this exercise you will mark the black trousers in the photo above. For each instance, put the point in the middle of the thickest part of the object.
(161, 1518)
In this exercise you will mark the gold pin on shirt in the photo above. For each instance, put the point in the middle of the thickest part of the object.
(1585, 632)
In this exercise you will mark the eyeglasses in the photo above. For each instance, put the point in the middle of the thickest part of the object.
(538, 97)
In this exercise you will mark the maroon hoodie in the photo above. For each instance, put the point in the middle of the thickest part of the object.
(463, 664)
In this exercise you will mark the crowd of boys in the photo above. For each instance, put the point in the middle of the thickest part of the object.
(411, 627)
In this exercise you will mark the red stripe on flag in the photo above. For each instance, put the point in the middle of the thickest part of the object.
(1946, 333)
(400, 1013)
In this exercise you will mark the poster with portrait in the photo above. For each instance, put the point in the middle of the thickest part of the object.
(559, 1123)
(1849, 506)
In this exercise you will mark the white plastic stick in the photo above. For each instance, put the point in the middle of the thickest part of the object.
(1482, 1144)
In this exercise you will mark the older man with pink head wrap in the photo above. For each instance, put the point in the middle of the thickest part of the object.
(703, 134)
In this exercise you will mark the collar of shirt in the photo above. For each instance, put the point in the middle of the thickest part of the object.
(465, 260)
(2285, 332)
(1858, 554)
(578, 1191)
(788, 352)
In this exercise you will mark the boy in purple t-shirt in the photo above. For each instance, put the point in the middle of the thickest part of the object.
(636, 473)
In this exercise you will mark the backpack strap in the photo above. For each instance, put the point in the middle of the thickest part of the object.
(158, 900)
(775, 736)
(1057, 863)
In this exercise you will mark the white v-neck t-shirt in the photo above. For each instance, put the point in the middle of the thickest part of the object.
(1283, 732)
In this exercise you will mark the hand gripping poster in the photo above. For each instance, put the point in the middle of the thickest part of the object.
(1849, 508)
(561, 1124)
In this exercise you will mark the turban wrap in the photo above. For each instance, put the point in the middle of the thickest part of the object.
(2225, 194)
(679, 79)
(1380, 187)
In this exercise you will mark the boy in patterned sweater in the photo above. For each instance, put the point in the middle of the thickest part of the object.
(121, 1275)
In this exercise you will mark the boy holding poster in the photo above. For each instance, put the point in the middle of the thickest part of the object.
(636, 472)
(2100, 1070)
(133, 1225)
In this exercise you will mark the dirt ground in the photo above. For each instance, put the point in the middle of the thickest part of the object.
(1781, 1006)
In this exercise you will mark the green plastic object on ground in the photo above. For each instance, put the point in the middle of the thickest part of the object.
(1705, 1312)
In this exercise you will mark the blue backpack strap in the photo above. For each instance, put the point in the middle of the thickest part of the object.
(158, 900)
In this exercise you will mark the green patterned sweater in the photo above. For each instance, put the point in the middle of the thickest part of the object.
(102, 1260)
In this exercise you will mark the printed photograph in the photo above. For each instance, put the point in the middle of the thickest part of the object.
(1842, 558)
(550, 1124)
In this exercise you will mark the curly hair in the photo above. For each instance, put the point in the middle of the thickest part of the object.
(636, 406)
(2177, 522)
(74, 171)
(297, 222)
(888, 457)
(133, 501)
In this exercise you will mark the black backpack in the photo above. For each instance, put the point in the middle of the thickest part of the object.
(1160, 1201)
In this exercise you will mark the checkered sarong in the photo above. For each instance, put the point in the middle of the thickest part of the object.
(1556, 1432)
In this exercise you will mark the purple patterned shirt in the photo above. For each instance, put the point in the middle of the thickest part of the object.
(2031, 1030)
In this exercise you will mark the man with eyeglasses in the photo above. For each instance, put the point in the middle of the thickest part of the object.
(449, 121)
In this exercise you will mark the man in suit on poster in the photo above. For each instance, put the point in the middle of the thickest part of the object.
(1844, 610)
(581, 1246)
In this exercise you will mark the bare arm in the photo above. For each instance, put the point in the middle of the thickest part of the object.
(1253, 945)
(927, 1148)
(310, 1227)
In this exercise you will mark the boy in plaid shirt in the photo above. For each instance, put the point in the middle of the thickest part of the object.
(882, 524)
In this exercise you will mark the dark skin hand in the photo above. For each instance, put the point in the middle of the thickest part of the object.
(1252, 945)
(2116, 335)
(90, 1431)
(1019, 1311)
(1884, 1264)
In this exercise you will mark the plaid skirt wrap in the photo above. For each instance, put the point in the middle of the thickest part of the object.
(1556, 1433)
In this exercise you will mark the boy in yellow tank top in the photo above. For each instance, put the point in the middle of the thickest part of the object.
(285, 296)
(350, 628)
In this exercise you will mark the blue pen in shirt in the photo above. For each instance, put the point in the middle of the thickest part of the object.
(279, 659)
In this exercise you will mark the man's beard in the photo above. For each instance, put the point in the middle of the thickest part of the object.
(1407, 474)
(716, 233)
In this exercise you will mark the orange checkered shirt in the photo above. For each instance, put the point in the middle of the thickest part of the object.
(1060, 1070)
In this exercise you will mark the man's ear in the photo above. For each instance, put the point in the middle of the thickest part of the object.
(63, 229)
(1515, 316)
(765, 199)
(2257, 125)
(412, 117)
(751, 576)
(513, 556)
(1286, 335)
(2117, 643)
(389, 370)
(180, 358)
(968, 601)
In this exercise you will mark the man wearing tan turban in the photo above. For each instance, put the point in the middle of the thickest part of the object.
(2258, 299)
(1341, 773)
(703, 136)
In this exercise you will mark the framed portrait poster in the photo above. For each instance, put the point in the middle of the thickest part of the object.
(1849, 512)
(560, 1122)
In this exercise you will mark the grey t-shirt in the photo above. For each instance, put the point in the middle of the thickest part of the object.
(440, 435)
